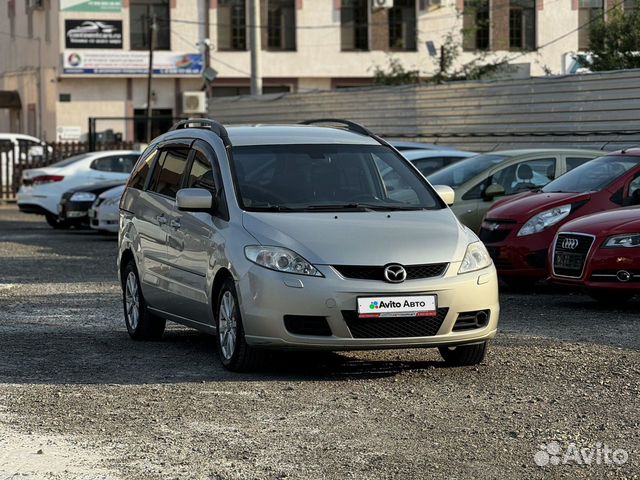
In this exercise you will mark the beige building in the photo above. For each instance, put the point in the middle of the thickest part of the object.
(66, 61)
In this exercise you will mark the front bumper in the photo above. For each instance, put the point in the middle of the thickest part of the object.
(602, 269)
(104, 221)
(267, 296)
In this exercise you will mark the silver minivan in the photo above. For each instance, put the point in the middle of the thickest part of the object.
(291, 237)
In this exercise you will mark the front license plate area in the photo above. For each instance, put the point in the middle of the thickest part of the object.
(570, 261)
(409, 306)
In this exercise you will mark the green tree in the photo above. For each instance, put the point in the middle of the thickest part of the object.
(395, 74)
(615, 40)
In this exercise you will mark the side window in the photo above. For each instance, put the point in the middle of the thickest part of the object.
(526, 175)
(476, 192)
(573, 162)
(169, 171)
(633, 193)
(429, 165)
(201, 174)
(114, 163)
(138, 177)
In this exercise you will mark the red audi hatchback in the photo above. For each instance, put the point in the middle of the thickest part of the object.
(600, 252)
(519, 230)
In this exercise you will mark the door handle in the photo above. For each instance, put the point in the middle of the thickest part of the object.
(175, 224)
(162, 220)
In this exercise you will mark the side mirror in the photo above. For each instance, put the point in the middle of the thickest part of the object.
(446, 193)
(195, 200)
(492, 191)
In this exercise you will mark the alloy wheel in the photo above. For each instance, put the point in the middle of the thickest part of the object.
(227, 325)
(132, 300)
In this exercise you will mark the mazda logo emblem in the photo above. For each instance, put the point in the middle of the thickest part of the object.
(395, 273)
(569, 243)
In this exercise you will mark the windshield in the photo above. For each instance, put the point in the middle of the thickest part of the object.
(70, 160)
(329, 178)
(464, 170)
(593, 176)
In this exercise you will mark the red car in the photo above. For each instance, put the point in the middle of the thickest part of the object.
(600, 252)
(519, 230)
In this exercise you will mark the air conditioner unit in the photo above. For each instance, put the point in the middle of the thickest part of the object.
(35, 4)
(382, 3)
(194, 102)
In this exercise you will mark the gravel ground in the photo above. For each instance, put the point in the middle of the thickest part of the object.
(79, 400)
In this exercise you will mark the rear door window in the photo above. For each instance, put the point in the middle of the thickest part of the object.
(169, 171)
(139, 176)
(115, 163)
(526, 175)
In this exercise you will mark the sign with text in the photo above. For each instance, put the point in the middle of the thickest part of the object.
(93, 33)
(98, 6)
(106, 62)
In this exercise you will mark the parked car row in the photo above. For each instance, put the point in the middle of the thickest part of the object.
(521, 203)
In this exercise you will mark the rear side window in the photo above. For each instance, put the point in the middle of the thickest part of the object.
(115, 163)
(573, 162)
(429, 165)
(169, 171)
(139, 175)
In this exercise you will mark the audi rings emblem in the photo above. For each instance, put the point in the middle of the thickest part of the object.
(395, 273)
(569, 243)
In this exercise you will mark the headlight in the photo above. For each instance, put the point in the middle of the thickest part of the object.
(475, 258)
(83, 197)
(544, 220)
(625, 241)
(280, 259)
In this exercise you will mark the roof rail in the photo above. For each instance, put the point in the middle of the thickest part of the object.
(352, 126)
(215, 127)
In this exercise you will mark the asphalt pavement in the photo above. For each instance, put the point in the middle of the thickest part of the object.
(557, 396)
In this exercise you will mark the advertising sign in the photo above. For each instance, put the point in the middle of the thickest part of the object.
(106, 62)
(68, 134)
(98, 6)
(93, 33)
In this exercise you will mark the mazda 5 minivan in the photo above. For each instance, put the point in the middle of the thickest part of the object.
(289, 237)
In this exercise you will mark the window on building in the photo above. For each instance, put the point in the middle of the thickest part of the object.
(11, 6)
(141, 13)
(522, 25)
(589, 11)
(629, 6)
(232, 25)
(354, 25)
(476, 25)
(227, 91)
(161, 122)
(281, 24)
(402, 25)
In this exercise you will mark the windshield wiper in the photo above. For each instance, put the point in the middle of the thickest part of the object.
(273, 208)
(367, 207)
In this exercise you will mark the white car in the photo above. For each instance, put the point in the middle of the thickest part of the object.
(91, 27)
(104, 215)
(26, 151)
(42, 188)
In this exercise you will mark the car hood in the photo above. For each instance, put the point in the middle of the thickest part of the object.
(611, 222)
(113, 192)
(364, 238)
(523, 207)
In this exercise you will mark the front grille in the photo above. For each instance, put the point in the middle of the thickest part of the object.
(612, 276)
(493, 236)
(500, 263)
(307, 325)
(414, 272)
(570, 254)
(393, 327)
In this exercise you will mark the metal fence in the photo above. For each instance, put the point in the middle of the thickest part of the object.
(598, 110)
(18, 156)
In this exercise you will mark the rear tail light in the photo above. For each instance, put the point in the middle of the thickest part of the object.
(42, 179)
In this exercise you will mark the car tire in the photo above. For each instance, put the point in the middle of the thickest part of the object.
(234, 352)
(610, 297)
(56, 223)
(141, 323)
(463, 355)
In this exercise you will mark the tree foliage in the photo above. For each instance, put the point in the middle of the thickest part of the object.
(615, 40)
(395, 74)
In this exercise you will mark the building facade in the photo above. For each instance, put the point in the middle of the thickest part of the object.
(65, 61)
